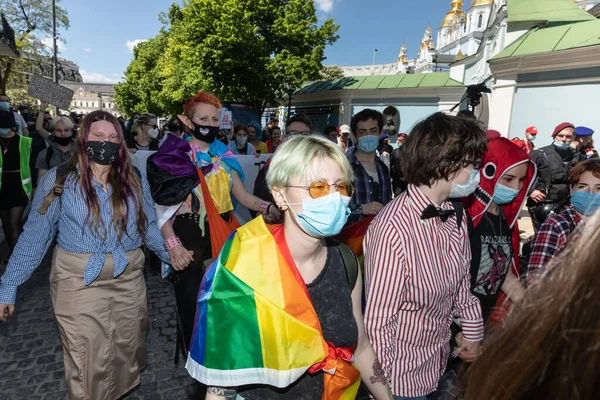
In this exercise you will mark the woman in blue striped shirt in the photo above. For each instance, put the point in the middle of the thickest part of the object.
(98, 292)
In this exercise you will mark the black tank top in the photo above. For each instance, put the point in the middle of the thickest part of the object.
(331, 298)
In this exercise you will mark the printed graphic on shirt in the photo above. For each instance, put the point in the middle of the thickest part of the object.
(495, 260)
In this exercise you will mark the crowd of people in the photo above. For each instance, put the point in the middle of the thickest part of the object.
(441, 299)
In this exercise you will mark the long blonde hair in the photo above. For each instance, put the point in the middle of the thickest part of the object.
(141, 121)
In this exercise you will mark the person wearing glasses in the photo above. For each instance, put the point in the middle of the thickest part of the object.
(417, 259)
(298, 125)
(371, 176)
(507, 173)
(144, 133)
(314, 198)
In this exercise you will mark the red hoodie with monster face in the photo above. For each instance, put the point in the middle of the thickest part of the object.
(501, 156)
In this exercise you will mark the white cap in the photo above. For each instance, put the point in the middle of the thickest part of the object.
(344, 129)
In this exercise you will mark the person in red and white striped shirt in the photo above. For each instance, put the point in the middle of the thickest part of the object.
(417, 259)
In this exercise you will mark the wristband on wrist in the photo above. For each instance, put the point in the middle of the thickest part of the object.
(173, 242)
(265, 207)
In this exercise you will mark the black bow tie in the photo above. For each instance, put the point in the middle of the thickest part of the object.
(431, 211)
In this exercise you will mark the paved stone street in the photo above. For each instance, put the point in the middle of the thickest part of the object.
(31, 365)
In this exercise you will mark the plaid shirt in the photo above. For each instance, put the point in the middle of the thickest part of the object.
(552, 238)
(363, 186)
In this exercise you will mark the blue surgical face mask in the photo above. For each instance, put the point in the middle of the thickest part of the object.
(368, 144)
(4, 131)
(504, 194)
(562, 145)
(531, 137)
(4, 105)
(585, 203)
(465, 189)
(323, 217)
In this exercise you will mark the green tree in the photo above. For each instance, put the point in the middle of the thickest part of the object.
(330, 72)
(142, 87)
(255, 51)
(19, 97)
(32, 22)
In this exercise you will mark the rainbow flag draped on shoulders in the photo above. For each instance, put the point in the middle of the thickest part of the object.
(255, 323)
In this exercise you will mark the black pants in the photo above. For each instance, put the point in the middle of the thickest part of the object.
(187, 282)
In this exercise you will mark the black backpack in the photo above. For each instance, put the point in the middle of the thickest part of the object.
(350, 264)
(49, 154)
(460, 210)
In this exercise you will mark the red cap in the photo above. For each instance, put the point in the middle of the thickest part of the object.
(562, 126)
(404, 135)
(492, 134)
(532, 130)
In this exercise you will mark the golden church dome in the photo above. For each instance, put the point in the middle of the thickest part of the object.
(477, 3)
(454, 15)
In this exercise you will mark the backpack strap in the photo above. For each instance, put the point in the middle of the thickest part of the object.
(460, 211)
(49, 154)
(61, 173)
(350, 264)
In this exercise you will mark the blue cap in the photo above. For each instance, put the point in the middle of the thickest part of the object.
(583, 131)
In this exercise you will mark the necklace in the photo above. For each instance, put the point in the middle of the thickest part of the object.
(5, 146)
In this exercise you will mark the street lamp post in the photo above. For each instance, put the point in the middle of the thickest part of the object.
(55, 51)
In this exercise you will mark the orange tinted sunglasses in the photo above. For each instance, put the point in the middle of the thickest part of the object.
(321, 188)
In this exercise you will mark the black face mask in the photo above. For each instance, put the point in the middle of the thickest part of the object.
(103, 153)
(63, 141)
(205, 133)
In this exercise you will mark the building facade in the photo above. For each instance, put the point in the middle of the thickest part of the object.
(461, 32)
(539, 59)
(88, 97)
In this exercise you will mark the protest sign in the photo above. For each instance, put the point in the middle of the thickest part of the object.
(251, 166)
(226, 122)
(52, 93)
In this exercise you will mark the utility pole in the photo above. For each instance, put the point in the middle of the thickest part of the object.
(55, 50)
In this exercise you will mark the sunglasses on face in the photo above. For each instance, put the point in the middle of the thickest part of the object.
(321, 189)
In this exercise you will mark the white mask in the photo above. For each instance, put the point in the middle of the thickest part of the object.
(153, 133)
(465, 189)
(241, 141)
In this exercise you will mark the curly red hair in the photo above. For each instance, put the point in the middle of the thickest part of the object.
(201, 97)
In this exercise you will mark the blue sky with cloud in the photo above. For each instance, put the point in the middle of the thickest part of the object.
(103, 33)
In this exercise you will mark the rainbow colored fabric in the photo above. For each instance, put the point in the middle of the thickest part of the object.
(353, 235)
(255, 323)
